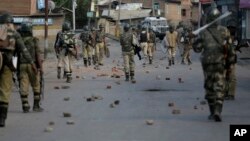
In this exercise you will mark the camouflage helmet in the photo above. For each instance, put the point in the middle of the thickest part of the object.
(93, 29)
(26, 28)
(6, 18)
(126, 27)
(66, 26)
(213, 13)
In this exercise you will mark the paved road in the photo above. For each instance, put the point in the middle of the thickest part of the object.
(147, 99)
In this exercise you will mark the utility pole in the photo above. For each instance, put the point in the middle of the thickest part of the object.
(199, 15)
(46, 29)
(74, 14)
(153, 7)
(118, 20)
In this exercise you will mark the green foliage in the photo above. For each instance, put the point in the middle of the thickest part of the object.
(81, 11)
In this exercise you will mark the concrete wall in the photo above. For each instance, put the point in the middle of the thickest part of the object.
(18, 7)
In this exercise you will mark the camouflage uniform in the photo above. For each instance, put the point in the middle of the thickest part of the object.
(86, 46)
(151, 45)
(99, 48)
(187, 47)
(27, 76)
(126, 40)
(93, 44)
(144, 44)
(67, 46)
(6, 75)
(172, 38)
(212, 45)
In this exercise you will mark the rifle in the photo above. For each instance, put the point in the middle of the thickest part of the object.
(42, 85)
(246, 45)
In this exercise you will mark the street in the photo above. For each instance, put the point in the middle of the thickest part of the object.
(101, 106)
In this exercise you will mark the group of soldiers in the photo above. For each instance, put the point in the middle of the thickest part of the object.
(18, 43)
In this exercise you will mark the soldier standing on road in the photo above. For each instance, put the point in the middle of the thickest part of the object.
(187, 46)
(172, 39)
(126, 40)
(143, 38)
(213, 47)
(100, 44)
(66, 43)
(93, 44)
(27, 76)
(14, 43)
(151, 45)
(231, 69)
(86, 46)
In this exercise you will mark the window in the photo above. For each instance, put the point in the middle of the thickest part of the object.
(156, 5)
(183, 12)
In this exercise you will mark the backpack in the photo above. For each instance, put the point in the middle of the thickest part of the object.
(67, 40)
(85, 36)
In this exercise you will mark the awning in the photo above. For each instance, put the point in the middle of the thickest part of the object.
(205, 1)
(244, 3)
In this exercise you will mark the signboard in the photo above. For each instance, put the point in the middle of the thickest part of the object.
(90, 14)
(41, 21)
(244, 3)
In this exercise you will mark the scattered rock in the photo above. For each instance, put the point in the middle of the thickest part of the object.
(167, 78)
(117, 76)
(78, 67)
(180, 80)
(96, 97)
(93, 77)
(167, 67)
(83, 77)
(195, 107)
(133, 81)
(176, 111)
(118, 83)
(101, 75)
(70, 122)
(65, 87)
(149, 122)
(112, 105)
(158, 77)
(197, 98)
(65, 114)
(48, 129)
(203, 102)
(89, 99)
(51, 123)
(170, 104)
(66, 98)
(77, 76)
(116, 102)
(109, 87)
(56, 87)
(147, 71)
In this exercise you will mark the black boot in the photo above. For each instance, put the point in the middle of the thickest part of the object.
(58, 72)
(69, 78)
(217, 112)
(183, 62)
(126, 76)
(211, 109)
(93, 59)
(150, 60)
(173, 61)
(89, 61)
(3, 116)
(25, 103)
(64, 75)
(169, 62)
(85, 62)
(36, 105)
(189, 61)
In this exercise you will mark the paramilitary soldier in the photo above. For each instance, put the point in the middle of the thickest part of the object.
(86, 46)
(66, 44)
(187, 45)
(10, 42)
(172, 39)
(151, 44)
(143, 39)
(100, 44)
(212, 44)
(126, 40)
(26, 75)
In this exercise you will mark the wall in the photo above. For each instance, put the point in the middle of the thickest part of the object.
(19, 7)
(173, 12)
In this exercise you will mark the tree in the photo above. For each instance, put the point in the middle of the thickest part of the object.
(81, 11)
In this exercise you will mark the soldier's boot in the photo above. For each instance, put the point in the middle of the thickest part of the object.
(169, 62)
(58, 72)
(126, 76)
(89, 61)
(183, 62)
(3, 116)
(150, 60)
(211, 105)
(36, 105)
(189, 61)
(172, 60)
(85, 62)
(132, 75)
(64, 75)
(217, 112)
(69, 78)
(94, 59)
(25, 103)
